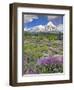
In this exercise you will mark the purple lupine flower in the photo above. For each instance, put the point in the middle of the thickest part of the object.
(56, 59)
(30, 71)
(44, 60)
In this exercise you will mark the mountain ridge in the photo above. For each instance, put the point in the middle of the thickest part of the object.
(49, 27)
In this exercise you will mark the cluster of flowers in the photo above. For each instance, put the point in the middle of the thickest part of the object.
(56, 59)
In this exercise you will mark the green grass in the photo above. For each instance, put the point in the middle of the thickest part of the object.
(37, 46)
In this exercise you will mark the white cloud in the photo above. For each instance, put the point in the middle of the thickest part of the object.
(29, 18)
(25, 29)
(38, 28)
(50, 17)
(60, 27)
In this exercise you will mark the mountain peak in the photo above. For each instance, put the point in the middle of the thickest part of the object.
(50, 24)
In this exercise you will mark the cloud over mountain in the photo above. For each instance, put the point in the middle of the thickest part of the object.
(38, 28)
(60, 27)
(29, 18)
(50, 17)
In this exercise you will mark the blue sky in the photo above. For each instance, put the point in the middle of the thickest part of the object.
(35, 20)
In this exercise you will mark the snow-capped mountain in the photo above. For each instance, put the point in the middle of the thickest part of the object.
(45, 28)
(50, 26)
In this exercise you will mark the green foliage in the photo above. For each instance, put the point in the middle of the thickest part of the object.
(53, 68)
(37, 46)
(52, 37)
